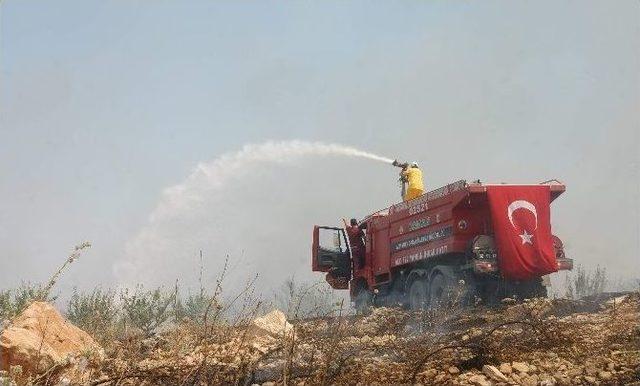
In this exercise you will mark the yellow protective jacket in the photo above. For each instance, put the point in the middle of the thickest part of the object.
(413, 177)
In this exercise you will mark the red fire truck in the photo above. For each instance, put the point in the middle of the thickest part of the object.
(442, 244)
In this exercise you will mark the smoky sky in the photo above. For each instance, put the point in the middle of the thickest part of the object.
(103, 106)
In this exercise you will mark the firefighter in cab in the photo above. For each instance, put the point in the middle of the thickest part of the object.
(411, 179)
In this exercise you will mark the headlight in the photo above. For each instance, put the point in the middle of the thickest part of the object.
(486, 255)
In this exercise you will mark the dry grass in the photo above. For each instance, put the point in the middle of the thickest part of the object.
(563, 341)
(391, 347)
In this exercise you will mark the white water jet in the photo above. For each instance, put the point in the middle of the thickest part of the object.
(181, 206)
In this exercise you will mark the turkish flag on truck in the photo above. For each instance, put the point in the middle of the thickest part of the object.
(522, 228)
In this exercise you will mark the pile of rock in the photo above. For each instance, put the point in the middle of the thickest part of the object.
(527, 374)
(40, 338)
(267, 330)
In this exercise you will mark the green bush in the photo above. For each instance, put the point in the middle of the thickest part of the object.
(192, 308)
(13, 302)
(147, 310)
(5, 305)
(95, 312)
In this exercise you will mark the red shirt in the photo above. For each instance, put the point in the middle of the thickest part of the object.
(355, 239)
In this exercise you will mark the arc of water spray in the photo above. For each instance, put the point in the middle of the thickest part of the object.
(214, 174)
(180, 200)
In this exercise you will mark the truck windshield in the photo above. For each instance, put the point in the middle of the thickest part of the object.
(332, 240)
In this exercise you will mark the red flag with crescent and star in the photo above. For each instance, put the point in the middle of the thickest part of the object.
(522, 229)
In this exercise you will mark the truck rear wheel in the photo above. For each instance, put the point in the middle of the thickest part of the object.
(418, 295)
(440, 291)
(532, 289)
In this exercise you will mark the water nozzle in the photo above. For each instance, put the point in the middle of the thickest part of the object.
(399, 164)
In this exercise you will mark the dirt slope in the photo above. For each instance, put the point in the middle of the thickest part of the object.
(540, 342)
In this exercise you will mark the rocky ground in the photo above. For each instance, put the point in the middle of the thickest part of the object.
(539, 342)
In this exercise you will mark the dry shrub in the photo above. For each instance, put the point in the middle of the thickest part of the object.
(95, 312)
(147, 310)
(307, 300)
(583, 283)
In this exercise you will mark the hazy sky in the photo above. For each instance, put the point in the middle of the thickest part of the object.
(106, 104)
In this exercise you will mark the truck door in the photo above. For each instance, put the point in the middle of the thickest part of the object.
(330, 252)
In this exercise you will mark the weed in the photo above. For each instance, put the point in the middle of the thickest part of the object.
(95, 312)
(147, 310)
(12, 302)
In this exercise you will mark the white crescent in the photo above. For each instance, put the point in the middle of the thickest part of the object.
(521, 204)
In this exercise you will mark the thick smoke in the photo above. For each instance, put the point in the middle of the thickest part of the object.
(244, 205)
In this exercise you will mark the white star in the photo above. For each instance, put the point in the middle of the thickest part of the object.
(526, 238)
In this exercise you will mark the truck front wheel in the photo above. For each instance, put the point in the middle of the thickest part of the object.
(418, 295)
(364, 302)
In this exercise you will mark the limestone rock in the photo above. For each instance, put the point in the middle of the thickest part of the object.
(616, 301)
(428, 374)
(591, 370)
(273, 324)
(479, 380)
(505, 368)
(493, 373)
(531, 380)
(40, 337)
(265, 331)
(605, 375)
(520, 367)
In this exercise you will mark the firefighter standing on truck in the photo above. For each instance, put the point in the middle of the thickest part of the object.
(356, 241)
(411, 178)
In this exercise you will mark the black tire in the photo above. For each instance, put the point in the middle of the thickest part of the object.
(418, 295)
(364, 302)
(440, 291)
(532, 289)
